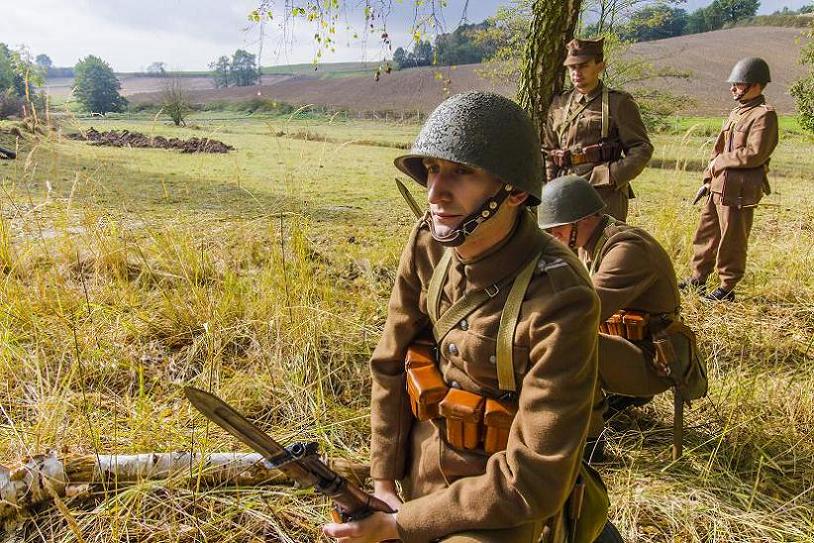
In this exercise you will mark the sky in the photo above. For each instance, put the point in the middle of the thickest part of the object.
(189, 34)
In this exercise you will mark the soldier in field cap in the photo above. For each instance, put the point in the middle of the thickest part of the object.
(595, 131)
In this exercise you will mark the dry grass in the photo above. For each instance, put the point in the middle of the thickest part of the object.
(264, 275)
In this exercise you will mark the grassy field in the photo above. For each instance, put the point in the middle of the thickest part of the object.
(264, 274)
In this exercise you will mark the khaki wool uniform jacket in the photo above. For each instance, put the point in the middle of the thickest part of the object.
(630, 270)
(450, 491)
(610, 179)
(737, 180)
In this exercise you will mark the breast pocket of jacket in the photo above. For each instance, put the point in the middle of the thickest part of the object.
(479, 357)
(589, 127)
(740, 136)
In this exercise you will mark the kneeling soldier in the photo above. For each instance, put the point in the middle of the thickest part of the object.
(484, 376)
(644, 348)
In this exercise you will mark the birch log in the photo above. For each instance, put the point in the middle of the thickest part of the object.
(42, 476)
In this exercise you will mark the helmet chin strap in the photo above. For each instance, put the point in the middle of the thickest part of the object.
(485, 212)
(572, 237)
(742, 93)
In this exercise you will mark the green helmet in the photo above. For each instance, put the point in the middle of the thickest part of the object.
(567, 200)
(750, 70)
(482, 130)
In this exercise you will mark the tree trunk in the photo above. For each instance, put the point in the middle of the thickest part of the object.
(46, 477)
(552, 26)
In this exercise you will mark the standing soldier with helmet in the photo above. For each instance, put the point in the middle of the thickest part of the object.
(644, 348)
(735, 180)
(595, 131)
(484, 376)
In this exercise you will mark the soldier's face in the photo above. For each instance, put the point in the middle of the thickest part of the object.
(562, 233)
(454, 191)
(585, 75)
(744, 91)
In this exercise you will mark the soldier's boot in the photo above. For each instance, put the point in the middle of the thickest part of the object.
(693, 284)
(609, 534)
(619, 402)
(721, 294)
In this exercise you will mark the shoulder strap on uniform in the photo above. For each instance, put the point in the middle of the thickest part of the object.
(508, 324)
(605, 111)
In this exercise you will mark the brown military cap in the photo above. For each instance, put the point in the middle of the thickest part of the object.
(580, 51)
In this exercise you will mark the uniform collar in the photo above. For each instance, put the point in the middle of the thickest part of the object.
(596, 235)
(754, 102)
(504, 259)
(582, 98)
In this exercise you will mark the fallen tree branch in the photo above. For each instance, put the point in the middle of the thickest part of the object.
(42, 477)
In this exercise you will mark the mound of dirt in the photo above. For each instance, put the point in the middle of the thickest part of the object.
(125, 138)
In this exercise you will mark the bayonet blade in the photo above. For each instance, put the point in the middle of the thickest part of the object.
(243, 429)
(411, 202)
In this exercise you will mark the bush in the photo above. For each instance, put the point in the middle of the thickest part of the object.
(10, 104)
(803, 89)
(803, 93)
(96, 86)
(175, 102)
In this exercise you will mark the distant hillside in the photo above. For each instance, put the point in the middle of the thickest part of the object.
(708, 56)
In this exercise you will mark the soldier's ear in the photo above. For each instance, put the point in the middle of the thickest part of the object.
(517, 198)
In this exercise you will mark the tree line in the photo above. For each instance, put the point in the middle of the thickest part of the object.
(663, 19)
(468, 44)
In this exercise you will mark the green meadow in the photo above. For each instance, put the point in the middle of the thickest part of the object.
(264, 275)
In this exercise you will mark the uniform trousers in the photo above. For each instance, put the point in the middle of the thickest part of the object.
(624, 368)
(721, 241)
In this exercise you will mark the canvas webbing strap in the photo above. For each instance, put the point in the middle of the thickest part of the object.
(414, 207)
(439, 277)
(469, 302)
(600, 244)
(508, 324)
(605, 112)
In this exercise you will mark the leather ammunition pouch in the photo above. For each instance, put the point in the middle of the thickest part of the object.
(472, 421)
(425, 385)
(463, 412)
(628, 324)
(675, 350)
(604, 151)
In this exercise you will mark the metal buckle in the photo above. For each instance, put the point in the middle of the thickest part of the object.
(492, 291)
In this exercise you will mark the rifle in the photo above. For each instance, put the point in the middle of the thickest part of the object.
(300, 461)
(7, 153)
(703, 190)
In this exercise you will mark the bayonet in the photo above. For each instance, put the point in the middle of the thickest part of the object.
(300, 461)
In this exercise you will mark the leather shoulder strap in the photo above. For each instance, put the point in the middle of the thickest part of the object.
(605, 112)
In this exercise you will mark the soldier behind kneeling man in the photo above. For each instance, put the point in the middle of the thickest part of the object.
(595, 131)
(736, 181)
(644, 348)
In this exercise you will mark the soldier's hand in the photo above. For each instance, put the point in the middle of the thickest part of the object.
(386, 491)
(375, 528)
